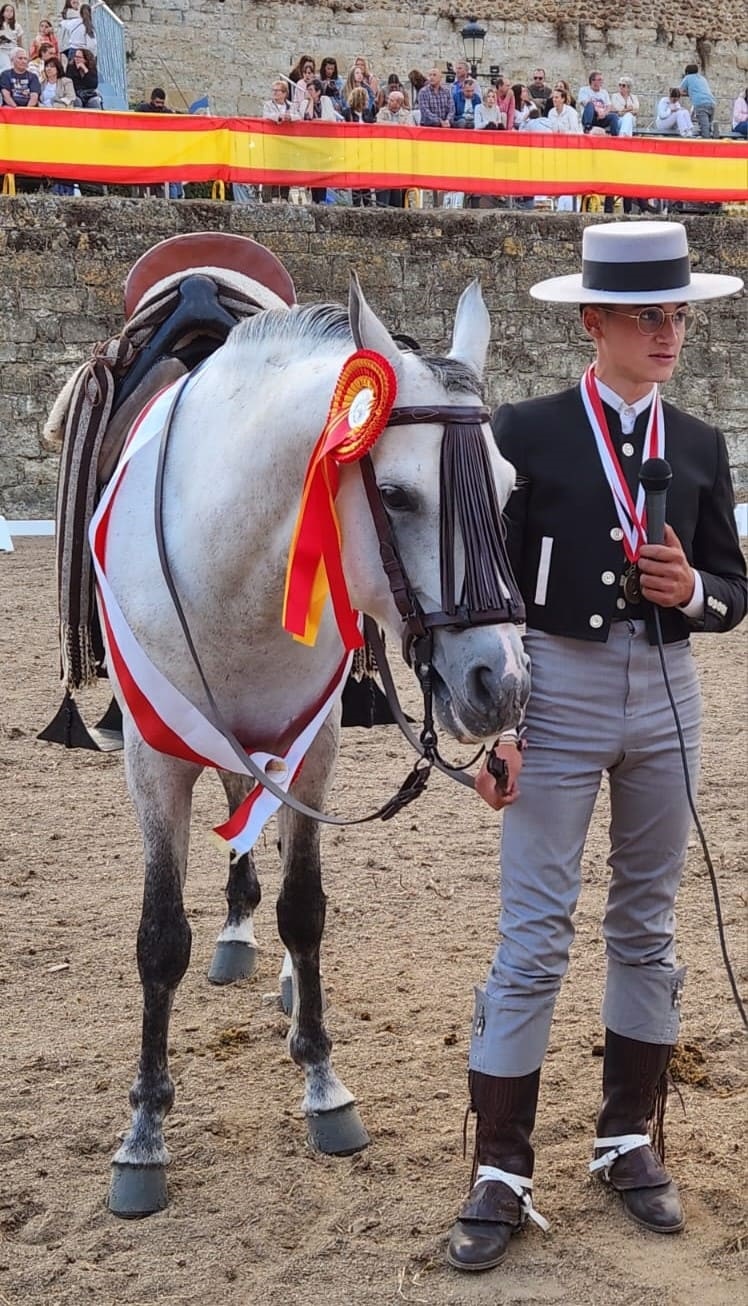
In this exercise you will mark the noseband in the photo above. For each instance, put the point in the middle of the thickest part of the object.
(468, 506)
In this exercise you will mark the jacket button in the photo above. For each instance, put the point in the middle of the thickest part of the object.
(621, 604)
(616, 533)
(608, 578)
(596, 621)
(627, 449)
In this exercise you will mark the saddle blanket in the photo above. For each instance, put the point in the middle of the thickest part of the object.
(166, 719)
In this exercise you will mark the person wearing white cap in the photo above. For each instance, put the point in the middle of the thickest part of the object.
(577, 540)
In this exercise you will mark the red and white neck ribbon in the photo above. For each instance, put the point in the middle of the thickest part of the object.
(632, 516)
(168, 721)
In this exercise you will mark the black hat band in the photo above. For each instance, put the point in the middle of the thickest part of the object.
(665, 274)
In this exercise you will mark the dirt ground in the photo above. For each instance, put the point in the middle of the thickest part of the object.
(254, 1216)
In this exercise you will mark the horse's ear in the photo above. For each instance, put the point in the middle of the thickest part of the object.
(368, 332)
(472, 329)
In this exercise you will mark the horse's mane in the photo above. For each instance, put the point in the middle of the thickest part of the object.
(303, 325)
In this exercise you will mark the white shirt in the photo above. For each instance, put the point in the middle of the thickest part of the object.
(628, 414)
(586, 94)
(566, 122)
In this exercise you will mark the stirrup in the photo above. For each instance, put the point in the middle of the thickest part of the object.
(520, 1186)
(618, 1147)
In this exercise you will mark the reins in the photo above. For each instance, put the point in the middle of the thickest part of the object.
(475, 486)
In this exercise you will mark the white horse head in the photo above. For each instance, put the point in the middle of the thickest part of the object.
(482, 672)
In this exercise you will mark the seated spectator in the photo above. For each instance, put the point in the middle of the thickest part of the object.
(356, 81)
(296, 73)
(523, 103)
(156, 104)
(45, 36)
(57, 90)
(740, 114)
(393, 84)
(699, 92)
(561, 117)
(672, 118)
(332, 83)
(488, 115)
(505, 101)
(278, 107)
(395, 113)
(46, 51)
(20, 88)
(316, 106)
(535, 123)
(594, 101)
(466, 101)
(11, 37)
(359, 113)
(308, 74)
(560, 85)
(539, 93)
(435, 102)
(626, 105)
(370, 81)
(84, 75)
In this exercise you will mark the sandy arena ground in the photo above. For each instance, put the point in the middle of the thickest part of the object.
(255, 1218)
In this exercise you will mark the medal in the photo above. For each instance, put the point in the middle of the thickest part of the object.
(632, 590)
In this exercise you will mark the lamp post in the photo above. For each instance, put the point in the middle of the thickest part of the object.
(473, 35)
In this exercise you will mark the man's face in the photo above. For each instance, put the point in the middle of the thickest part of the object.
(461, 69)
(435, 78)
(539, 75)
(596, 82)
(635, 357)
(20, 61)
(157, 102)
(469, 88)
(394, 101)
(279, 91)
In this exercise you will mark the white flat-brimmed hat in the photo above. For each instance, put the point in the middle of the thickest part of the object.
(635, 263)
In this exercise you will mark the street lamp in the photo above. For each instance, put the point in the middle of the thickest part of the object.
(473, 35)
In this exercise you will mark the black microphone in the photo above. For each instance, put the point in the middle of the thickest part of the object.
(655, 475)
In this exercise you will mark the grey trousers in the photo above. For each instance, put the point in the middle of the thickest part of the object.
(593, 708)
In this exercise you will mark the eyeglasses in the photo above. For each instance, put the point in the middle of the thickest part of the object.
(651, 320)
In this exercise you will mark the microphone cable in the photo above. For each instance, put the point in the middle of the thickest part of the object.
(699, 828)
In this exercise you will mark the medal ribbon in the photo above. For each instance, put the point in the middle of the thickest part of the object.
(632, 516)
(359, 411)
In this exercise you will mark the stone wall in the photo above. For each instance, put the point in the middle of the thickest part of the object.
(64, 264)
(232, 50)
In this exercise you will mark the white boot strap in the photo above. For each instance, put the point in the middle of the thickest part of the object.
(617, 1147)
(520, 1186)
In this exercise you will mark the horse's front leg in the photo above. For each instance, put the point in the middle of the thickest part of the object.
(235, 955)
(334, 1123)
(161, 789)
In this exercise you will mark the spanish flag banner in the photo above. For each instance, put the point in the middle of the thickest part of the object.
(130, 148)
(359, 410)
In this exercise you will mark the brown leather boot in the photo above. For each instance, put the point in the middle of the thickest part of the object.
(499, 1201)
(627, 1156)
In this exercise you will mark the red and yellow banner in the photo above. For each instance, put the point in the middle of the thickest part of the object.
(359, 409)
(129, 148)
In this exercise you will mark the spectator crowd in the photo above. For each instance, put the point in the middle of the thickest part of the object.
(59, 71)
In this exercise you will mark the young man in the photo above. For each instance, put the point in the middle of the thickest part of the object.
(578, 546)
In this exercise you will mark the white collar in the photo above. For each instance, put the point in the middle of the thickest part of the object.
(615, 401)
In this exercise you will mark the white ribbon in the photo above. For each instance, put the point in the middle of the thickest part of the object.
(654, 447)
(618, 1147)
(520, 1186)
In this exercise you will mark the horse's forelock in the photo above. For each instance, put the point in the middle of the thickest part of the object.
(452, 374)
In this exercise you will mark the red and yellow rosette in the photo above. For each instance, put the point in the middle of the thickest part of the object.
(359, 411)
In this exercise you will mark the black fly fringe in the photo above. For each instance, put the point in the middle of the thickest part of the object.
(470, 506)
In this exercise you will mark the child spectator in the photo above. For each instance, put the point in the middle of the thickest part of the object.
(699, 92)
(356, 81)
(11, 37)
(44, 36)
(308, 75)
(296, 72)
(370, 80)
(466, 100)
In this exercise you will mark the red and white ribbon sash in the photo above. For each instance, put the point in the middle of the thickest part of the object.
(168, 721)
(632, 516)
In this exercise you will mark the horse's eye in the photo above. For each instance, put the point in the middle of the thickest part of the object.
(396, 499)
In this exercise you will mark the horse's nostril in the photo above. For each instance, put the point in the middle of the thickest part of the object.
(486, 686)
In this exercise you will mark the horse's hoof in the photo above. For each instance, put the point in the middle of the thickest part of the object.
(137, 1190)
(233, 960)
(339, 1132)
